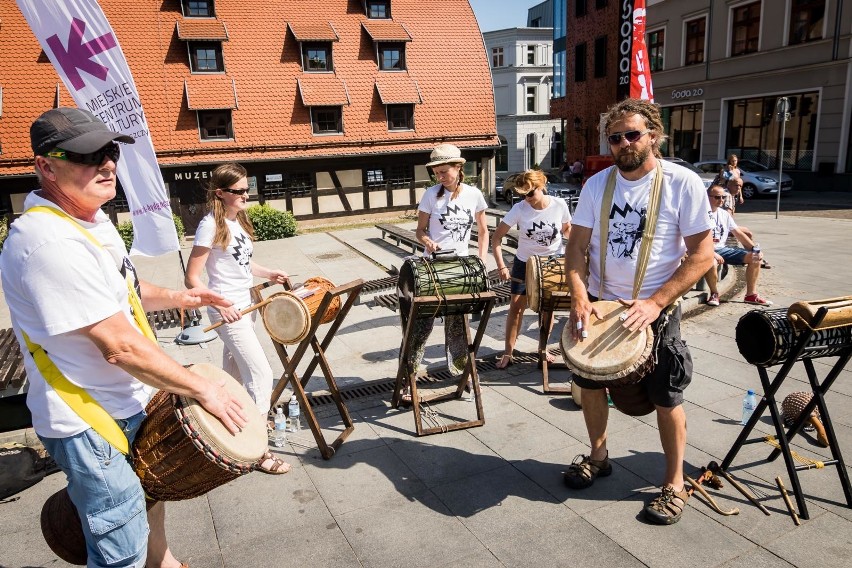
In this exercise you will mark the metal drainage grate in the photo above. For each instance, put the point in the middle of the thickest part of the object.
(387, 283)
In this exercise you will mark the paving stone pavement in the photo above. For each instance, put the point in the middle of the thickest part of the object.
(493, 496)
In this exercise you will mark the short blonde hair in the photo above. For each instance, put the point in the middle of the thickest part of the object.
(529, 180)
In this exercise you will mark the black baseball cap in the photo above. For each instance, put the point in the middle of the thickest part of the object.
(72, 129)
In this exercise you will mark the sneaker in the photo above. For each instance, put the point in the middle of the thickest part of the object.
(713, 300)
(756, 299)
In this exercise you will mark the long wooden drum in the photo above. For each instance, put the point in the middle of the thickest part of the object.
(288, 316)
(547, 285)
(182, 451)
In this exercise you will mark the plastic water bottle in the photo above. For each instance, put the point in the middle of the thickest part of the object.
(294, 412)
(749, 404)
(755, 253)
(279, 436)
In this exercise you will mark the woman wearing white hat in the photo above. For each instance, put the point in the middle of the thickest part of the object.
(445, 217)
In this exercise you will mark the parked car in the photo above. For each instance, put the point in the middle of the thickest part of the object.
(555, 186)
(706, 178)
(757, 178)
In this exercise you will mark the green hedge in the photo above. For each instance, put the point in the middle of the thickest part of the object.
(270, 223)
(125, 229)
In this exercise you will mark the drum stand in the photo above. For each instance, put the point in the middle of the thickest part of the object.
(770, 388)
(557, 301)
(428, 307)
(352, 289)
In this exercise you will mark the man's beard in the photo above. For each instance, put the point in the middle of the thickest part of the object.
(631, 161)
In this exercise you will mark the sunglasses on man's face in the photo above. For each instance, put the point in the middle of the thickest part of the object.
(631, 136)
(96, 158)
(236, 191)
(718, 196)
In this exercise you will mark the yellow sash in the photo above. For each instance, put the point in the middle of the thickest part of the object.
(76, 397)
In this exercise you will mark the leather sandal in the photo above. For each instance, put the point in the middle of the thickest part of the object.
(504, 362)
(668, 507)
(278, 467)
(584, 470)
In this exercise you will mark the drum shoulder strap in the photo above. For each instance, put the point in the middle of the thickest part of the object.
(650, 229)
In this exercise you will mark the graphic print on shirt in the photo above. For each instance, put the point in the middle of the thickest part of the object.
(457, 221)
(128, 272)
(242, 253)
(626, 227)
(718, 229)
(543, 233)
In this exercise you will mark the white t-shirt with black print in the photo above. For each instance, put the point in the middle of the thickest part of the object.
(539, 231)
(723, 224)
(683, 213)
(450, 221)
(229, 270)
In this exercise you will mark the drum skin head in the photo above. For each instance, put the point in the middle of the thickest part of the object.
(286, 318)
(610, 347)
(246, 446)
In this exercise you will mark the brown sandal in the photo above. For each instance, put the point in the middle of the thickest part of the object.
(668, 507)
(278, 467)
(583, 471)
(504, 362)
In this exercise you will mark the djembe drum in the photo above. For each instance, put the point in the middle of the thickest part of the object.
(614, 357)
(440, 276)
(546, 275)
(288, 316)
(181, 451)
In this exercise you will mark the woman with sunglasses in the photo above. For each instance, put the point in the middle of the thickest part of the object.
(223, 246)
(542, 221)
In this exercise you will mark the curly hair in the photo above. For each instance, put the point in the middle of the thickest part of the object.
(649, 111)
(224, 177)
(529, 180)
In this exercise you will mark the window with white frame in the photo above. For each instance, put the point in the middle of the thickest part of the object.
(695, 36)
(807, 18)
(531, 97)
(530, 55)
(745, 28)
(496, 57)
(656, 42)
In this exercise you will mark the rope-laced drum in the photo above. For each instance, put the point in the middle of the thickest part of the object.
(288, 315)
(441, 276)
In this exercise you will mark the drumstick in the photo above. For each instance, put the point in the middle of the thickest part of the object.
(715, 468)
(242, 312)
(787, 501)
(696, 486)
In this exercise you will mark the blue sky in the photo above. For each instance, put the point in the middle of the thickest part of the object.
(501, 14)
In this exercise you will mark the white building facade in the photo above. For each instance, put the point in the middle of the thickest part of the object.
(522, 73)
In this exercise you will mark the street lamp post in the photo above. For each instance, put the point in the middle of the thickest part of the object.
(782, 115)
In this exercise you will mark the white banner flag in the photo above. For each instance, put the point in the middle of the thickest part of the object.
(82, 46)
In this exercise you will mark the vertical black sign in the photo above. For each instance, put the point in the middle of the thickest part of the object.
(625, 49)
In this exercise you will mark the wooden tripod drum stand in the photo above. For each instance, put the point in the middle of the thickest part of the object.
(550, 303)
(352, 289)
(430, 307)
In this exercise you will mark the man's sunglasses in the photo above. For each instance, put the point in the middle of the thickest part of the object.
(718, 196)
(631, 136)
(96, 158)
(236, 191)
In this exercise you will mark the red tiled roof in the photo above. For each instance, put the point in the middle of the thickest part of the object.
(210, 92)
(386, 30)
(193, 29)
(313, 31)
(397, 88)
(263, 59)
(322, 89)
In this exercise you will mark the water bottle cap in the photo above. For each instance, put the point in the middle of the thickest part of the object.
(279, 410)
(750, 392)
(293, 398)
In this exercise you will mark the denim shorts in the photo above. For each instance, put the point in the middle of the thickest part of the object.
(519, 277)
(107, 494)
(732, 255)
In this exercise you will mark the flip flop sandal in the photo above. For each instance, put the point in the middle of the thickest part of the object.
(668, 507)
(584, 470)
(508, 363)
(278, 467)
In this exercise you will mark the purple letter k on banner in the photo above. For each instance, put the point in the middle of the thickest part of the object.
(78, 54)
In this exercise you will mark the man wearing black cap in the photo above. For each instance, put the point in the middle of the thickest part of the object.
(71, 289)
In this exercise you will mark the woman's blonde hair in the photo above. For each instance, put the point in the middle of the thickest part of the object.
(529, 180)
(224, 177)
(732, 157)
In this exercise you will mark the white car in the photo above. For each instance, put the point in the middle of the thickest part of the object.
(706, 178)
(757, 178)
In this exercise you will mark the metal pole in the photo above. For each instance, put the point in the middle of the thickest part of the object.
(781, 108)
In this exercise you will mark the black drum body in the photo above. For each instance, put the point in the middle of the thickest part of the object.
(442, 276)
(767, 337)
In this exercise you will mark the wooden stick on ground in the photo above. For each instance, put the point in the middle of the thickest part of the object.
(787, 501)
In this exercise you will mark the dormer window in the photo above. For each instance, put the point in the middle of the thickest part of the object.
(198, 8)
(391, 56)
(205, 57)
(378, 9)
(316, 57)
